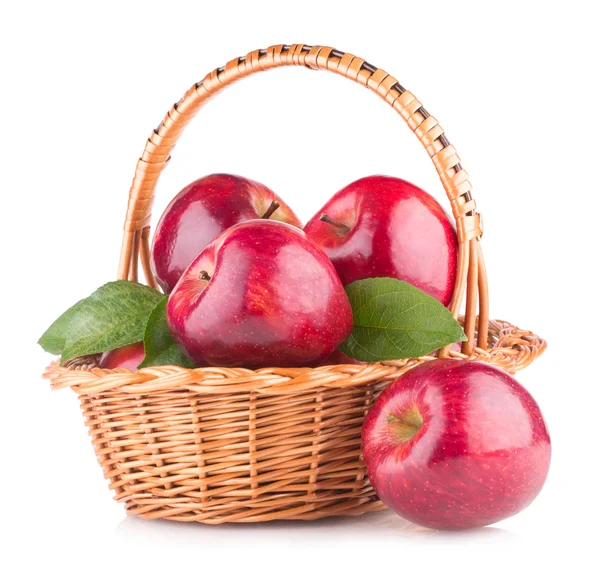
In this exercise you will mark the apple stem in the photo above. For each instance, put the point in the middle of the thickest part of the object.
(272, 208)
(403, 428)
(203, 275)
(391, 418)
(330, 221)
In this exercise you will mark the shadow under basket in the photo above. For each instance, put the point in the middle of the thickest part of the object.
(221, 445)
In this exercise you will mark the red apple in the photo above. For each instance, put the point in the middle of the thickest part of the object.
(130, 356)
(338, 357)
(454, 445)
(259, 295)
(203, 210)
(380, 226)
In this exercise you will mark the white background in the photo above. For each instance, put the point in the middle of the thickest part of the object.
(515, 85)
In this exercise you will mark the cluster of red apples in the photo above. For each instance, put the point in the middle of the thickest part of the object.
(450, 444)
(248, 287)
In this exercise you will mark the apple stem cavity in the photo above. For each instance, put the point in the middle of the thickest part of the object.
(203, 275)
(337, 224)
(272, 208)
(405, 428)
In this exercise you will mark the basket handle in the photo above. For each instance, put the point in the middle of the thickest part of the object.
(471, 275)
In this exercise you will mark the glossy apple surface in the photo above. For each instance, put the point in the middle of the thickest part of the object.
(130, 356)
(200, 212)
(454, 445)
(387, 227)
(260, 295)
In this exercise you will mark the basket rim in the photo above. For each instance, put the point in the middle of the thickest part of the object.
(509, 348)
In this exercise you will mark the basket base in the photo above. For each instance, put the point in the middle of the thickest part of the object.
(307, 511)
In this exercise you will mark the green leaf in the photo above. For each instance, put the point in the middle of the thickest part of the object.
(395, 320)
(53, 340)
(159, 346)
(113, 316)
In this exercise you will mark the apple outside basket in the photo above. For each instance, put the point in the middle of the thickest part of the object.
(221, 445)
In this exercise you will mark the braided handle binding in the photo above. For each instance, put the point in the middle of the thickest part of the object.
(471, 276)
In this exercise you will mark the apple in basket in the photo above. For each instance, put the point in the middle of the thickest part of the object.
(200, 212)
(338, 357)
(261, 294)
(454, 445)
(380, 226)
(130, 356)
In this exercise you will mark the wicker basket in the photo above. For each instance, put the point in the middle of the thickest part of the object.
(234, 445)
